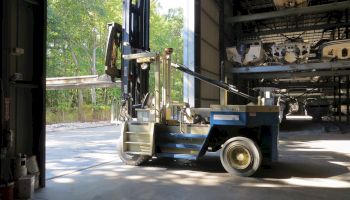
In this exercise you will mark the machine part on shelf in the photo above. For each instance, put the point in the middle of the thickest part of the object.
(291, 51)
(290, 57)
(266, 95)
(284, 4)
(233, 55)
(343, 109)
(255, 55)
(283, 108)
(317, 108)
(112, 47)
(294, 106)
(338, 50)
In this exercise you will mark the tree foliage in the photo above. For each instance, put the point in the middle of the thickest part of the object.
(76, 39)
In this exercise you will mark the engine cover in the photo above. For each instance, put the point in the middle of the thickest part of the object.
(255, 55)
(252, 55)
(291, 51)
(339, 49)
(233, 55)
(283, 4)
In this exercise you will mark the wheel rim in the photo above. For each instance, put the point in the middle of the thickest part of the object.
(239, 157)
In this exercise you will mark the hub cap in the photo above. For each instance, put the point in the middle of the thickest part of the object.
(239, 157)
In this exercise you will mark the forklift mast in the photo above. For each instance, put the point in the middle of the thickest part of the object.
(135, 39)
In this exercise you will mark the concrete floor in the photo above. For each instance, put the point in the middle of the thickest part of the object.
(314, 164)
(74, 149)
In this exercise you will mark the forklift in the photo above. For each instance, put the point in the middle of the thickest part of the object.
(153, 126)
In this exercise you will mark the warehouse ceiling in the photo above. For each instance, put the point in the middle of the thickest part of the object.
(312, 27)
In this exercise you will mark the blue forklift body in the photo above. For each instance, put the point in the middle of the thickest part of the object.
(268, 122)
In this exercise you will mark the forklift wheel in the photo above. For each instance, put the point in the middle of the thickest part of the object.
(240, 156)
(131, 159)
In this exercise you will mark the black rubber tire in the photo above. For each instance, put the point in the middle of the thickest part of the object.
(251, 148)
(130, 159)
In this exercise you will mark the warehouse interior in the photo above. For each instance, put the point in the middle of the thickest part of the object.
(294, 53)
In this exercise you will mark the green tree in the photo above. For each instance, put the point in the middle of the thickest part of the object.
(167, 31)
(76, 37)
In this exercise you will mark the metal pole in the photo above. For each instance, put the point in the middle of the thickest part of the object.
(334, 97)
(223, 78)
(166, 89)
(339, 98)
(189, 57)
(168, 52)
(347, 20)
(164, 83)
(347, 99)
(290, 12)
(126, 49)
(157, 88)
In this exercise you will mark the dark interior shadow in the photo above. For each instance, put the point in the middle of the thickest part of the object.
(209, 163)
(288, 126)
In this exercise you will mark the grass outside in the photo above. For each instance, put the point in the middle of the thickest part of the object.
(86, 113)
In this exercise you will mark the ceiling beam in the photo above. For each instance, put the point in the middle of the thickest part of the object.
(294, 75)
(299, 29)
(303, 85)
(292, 67)
(290, 12)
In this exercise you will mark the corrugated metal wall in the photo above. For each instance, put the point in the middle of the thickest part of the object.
(209, 44)
(208, 51)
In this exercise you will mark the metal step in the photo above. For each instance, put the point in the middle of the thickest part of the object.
(137, 137)
(178, 156)
(135, 152)
(183, 136)
(141, 143)
(138, 127)
(141, 133)
(181, 146)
